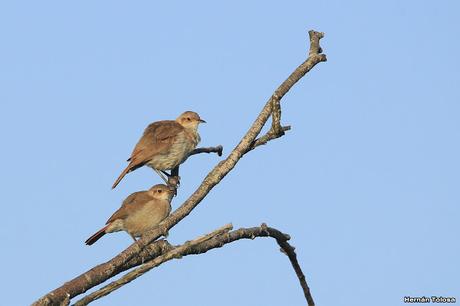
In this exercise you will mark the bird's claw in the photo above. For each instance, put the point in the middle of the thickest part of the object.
(174, 182)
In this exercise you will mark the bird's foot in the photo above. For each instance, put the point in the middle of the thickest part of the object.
(174, 181)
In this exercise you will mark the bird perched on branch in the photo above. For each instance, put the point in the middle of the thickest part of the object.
(165, 145)
(139, 213)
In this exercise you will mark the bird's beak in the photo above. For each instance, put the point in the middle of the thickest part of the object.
(202, 121)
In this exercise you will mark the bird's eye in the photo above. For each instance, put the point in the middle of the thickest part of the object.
(188, 119)
(159, 191)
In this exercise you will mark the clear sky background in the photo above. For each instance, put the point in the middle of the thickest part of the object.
(366, 182)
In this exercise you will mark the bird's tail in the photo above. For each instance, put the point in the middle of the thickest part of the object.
(122, 175)
(96, 236)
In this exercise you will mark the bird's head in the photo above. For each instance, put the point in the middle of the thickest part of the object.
(190, 120)
(162, 192)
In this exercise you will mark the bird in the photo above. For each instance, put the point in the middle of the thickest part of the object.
(140, 212)
(165, 145)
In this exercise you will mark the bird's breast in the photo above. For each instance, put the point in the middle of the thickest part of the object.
(176, 154)
(147, 217)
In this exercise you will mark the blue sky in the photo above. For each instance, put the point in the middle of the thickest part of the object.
(366, 182)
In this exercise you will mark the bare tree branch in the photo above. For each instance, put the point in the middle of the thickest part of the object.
(202, 245)
(176, 252)
(104, 271)
(217, 150)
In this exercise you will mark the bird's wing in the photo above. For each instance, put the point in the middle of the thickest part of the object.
(131, 203)
(156, 139)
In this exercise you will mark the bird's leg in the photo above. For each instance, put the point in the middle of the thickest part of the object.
(173, 178)
(161, 175)
(174, 173)
(165, 173)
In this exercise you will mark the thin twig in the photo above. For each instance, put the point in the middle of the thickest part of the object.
(289, 250)
(276, 117)
(219, 149)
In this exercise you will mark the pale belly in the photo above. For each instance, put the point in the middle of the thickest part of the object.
(175, 156)
(147, 218)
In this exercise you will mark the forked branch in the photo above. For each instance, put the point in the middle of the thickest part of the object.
(216, 239)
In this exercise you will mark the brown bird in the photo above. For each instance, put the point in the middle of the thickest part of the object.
(140, 212)
(165, 145)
